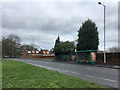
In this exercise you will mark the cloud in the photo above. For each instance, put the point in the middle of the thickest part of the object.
(46, 20)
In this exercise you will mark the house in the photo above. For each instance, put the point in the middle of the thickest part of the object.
(37, 54)
(35, 51)
(44, 51)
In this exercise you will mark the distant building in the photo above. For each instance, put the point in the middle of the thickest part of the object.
(37, 54)
(35, 51)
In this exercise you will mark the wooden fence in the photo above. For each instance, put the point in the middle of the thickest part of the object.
(111, 58)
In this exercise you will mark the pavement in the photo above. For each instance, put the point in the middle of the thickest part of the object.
(94, 65)
(100, 74)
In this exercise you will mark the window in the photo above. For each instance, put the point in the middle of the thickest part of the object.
(29, 51)
(37, 51)
(33, 51)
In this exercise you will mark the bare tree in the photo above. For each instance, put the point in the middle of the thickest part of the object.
(15, 38)
(114, 49)
(11, 46)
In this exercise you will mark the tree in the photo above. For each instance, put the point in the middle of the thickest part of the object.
(11, 46)
(88, 36)
(52, 51)
(7, 47)
(14, 38)
(27, 47)
(57, 46)
(114, 49)
(58, 39)
(66, 47)
(35, 46)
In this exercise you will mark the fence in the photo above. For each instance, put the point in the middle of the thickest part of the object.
(63, 57)
(111, 58)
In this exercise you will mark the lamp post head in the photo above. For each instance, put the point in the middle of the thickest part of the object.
(99, 2)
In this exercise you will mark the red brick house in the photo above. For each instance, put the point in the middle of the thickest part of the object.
(35, 51)
(38, 54)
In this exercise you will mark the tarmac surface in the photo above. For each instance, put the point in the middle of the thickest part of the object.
(106, 75)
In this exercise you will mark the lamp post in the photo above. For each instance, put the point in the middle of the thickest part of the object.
(33, 40)
(33, 44)
(104, 31)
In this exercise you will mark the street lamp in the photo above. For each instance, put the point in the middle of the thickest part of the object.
(33, 40)
(104, 31)
(33, 43)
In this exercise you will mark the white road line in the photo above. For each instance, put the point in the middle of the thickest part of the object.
(103, 78)
(46, 62)
(89, 76)
(104, 68)
(110, 80)
(62, 65)
(74, 72)
(117, 66)
(89, 68)
(113, 69)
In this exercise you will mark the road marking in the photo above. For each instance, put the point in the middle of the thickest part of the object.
(90, 76)
(117, 66)
(104, 68)
(113, 69)
(46, 62)
(62, 65)
(89, 68)
(74, 72)
(110, 80)
(104, 79)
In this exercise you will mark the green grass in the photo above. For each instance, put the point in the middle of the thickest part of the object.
(21, 75)
(0, 75)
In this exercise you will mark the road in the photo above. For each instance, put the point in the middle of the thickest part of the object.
(103, 76)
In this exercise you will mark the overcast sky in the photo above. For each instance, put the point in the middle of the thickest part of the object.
(46, 20)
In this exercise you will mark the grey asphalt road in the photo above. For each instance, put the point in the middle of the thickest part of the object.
(103, 76)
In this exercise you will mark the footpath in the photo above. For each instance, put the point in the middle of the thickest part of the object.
(95, 65)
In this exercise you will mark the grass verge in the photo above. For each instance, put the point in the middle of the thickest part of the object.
(0, 74)
(21, 75)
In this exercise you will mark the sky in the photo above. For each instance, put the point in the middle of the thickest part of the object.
(46, 20)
